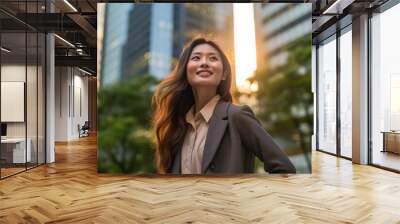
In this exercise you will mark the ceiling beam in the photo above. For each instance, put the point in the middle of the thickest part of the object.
(86, 26)
(338, 6)
(83, 61)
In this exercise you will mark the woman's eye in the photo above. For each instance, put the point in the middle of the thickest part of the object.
(195, 58)
(213, 58)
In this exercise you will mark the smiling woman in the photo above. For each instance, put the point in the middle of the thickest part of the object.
(204, 67)
(199, 130)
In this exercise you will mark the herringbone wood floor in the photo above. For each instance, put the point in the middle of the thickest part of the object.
(70, 191)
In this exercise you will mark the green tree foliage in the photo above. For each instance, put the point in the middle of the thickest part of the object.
(286, 101)
(124, 140)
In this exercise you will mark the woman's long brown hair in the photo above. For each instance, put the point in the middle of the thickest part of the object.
(172, 100)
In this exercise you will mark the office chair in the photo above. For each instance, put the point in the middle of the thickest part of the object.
(84, 130)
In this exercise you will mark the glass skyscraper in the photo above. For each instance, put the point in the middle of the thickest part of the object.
(115, 35)
(281, 24)
(148, 38)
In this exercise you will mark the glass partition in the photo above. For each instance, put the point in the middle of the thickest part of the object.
(385, 89)
(41, 78)
(346, 92)
(327, 95)
(13, 110)
(22, 91)
(31, 100)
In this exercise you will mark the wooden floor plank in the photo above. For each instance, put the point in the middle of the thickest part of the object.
(71, 191)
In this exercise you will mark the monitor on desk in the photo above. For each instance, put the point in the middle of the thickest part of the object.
(3, 130)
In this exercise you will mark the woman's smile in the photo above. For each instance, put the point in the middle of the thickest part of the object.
(204, 73)
(204, 67)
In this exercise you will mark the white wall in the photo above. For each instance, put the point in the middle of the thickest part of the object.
(62, 81)
(71, 94)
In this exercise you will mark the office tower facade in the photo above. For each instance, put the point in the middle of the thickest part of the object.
(148, 38)
(191, 20)
(115, 35)
(148, 47)
(280, 24)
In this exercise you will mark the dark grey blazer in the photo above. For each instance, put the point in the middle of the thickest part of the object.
(233, 140)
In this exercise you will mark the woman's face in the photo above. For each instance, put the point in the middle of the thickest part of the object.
(204, 67)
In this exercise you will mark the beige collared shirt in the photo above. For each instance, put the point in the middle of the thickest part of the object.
(195, 138)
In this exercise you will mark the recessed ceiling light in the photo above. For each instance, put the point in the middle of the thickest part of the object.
(84, 71)
(70, 5)
(5, 49)
(64, 40)
(337, 7)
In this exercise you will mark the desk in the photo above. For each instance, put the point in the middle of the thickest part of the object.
(16, 147)
(391, 141)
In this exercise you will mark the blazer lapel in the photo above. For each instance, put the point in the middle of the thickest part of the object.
(176, 164)
(216, 130)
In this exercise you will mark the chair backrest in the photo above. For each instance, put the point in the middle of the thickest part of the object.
(86, 125)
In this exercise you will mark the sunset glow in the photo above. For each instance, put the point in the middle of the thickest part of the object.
(245, 44)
